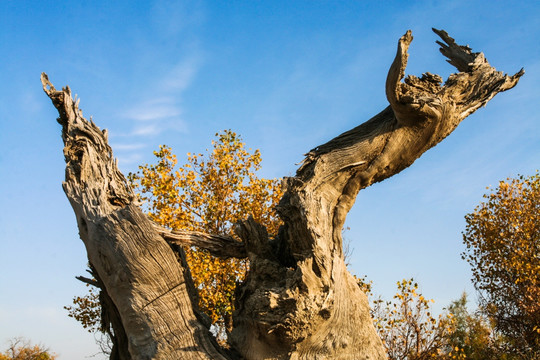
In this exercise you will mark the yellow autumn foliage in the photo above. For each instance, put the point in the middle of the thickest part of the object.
(503, 248)
(210, 193)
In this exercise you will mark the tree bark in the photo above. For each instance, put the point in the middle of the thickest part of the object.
(150, 305)
(298, 301)
(302, 302)
(218, 245)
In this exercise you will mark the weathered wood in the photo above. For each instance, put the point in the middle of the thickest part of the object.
(310, 307)
(298, 301)
(149, 302)
(218, 245)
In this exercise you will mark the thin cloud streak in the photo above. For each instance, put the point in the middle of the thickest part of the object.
(146, 130)
(153, 110)
(162, 111)
(129, 159)
(181, 76)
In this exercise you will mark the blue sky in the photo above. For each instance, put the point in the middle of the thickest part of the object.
(287, 76)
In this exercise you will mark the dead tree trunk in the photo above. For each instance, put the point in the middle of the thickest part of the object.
(298, 301)
(150, 305)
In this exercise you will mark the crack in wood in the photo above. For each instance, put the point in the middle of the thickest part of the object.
(162, 295)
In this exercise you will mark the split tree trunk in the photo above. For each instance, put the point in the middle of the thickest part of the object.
(298, 301)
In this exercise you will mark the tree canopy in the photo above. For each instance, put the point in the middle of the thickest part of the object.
(210, 193)
(502, 237)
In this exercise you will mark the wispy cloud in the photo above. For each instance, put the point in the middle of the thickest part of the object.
(158, 109)
(128, 153)
(163, 111)
(181, 76)
(172, 17)
(146, 130)
(128, 159)
(154, 109)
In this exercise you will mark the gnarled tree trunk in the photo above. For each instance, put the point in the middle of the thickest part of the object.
(298, 301)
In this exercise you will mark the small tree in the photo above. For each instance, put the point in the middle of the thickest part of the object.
(473, 334)
(21, 349)
(210, 194)
(407, 326)
(503, 248)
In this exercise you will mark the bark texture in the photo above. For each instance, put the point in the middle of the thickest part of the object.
(298, 301)
(146, 296)
(218, 245)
